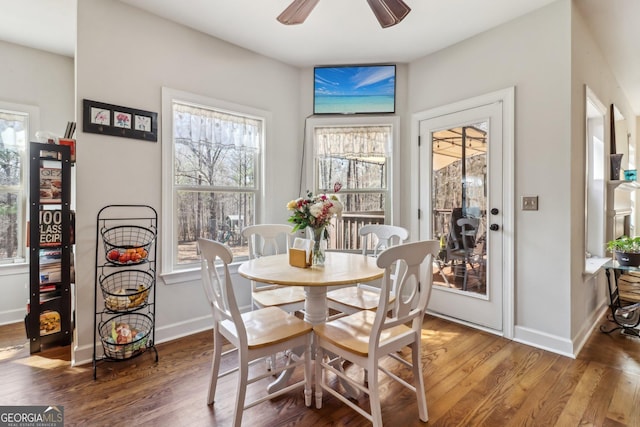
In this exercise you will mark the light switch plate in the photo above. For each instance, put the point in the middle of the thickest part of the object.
(529, 203)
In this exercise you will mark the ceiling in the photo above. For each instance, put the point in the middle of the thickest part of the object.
(338, 31)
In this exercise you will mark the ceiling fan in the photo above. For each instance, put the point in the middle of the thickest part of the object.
(388, 12)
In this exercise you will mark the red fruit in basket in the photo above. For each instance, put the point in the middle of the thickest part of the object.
(113, 255)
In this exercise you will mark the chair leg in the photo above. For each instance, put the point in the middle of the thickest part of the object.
(215, 366)
(374, 393)
(418, 381)
(271, 362)
(243, 374)
(319, 379)
(308, 393)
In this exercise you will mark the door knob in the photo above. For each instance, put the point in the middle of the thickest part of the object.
(494, 227)
(494, 211)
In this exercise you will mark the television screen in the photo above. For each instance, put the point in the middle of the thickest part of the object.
(354, 89)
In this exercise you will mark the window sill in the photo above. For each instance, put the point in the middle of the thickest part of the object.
(189, 275)
(14, 269)
(593, 265)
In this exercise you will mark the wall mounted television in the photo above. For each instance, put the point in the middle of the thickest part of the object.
(354, 89)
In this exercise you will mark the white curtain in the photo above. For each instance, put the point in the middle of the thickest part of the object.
(353, 141)
(195, 124)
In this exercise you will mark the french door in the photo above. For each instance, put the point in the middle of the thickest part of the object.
(461, 158)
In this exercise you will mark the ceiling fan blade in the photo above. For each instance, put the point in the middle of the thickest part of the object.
(297, 12)
(389, 12)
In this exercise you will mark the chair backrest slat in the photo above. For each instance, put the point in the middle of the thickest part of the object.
(217, 283)
(386, 236)
(413, 263)
(267, 239)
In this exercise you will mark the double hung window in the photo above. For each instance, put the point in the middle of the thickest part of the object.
(356, 156)
(14, 135)
(215, 157)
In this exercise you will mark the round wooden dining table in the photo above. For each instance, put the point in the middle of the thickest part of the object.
(340, 268)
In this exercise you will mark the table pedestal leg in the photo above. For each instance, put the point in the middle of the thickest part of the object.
(315, 312)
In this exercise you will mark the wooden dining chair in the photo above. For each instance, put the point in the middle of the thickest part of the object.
(461, 253)
(254, 335)
(366, 337)
(265, 240)
(375, 238)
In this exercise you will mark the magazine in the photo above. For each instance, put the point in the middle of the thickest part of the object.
(50, 185)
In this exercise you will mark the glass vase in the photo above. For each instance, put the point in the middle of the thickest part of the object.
(319, 246)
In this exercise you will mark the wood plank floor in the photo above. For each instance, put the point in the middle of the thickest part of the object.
(472, 379)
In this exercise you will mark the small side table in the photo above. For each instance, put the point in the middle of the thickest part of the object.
(626, 316)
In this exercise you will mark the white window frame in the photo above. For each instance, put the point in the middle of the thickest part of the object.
(21, 263)
(392, 199)
(171, 272)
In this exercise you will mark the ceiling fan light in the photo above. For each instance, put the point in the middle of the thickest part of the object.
(297, 12)
(389, 12)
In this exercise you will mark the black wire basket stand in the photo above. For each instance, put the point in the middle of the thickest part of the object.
(125, 283)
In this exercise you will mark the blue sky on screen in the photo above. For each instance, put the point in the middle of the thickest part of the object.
(355, 80)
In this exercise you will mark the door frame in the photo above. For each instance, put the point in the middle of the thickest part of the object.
(507, 97)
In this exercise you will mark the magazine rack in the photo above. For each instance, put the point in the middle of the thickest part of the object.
(125, 283)
(49, 318)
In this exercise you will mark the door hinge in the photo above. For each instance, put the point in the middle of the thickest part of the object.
(419, 214)
(419, 140)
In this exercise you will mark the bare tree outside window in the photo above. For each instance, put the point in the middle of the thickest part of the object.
(215, 177)
(357, 157)
(13, 131)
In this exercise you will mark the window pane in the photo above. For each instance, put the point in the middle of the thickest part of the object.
(9, 225)
(10, 166)
(218, 216)
(355, 156)
(13, 131)
(352, 173)
(214, 148)
(201, 163)
(359, 209)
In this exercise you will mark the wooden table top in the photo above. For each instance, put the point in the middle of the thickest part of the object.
(339, 269)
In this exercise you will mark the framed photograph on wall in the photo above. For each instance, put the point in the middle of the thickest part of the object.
(115, 120)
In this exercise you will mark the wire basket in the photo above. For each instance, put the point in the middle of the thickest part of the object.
(127, 244)
(126, 289)
(125, 335)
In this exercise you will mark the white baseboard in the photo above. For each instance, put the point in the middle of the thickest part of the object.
(12, 316)
(544, 341)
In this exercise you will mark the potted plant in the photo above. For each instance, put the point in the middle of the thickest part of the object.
(626, 249)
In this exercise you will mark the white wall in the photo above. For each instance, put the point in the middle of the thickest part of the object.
(45, 80)
(124, 57)
(539, 68)
(588, 67)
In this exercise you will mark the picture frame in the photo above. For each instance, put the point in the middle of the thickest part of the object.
(116, 120)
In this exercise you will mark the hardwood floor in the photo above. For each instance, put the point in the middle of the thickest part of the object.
(472, 379)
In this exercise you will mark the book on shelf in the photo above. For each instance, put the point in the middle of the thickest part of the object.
(49, 287)
(51, 266)
(50, 185)
(49, 296)
(50, 321)
(50, 228)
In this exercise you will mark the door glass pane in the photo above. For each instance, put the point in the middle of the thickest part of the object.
(459, 206)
